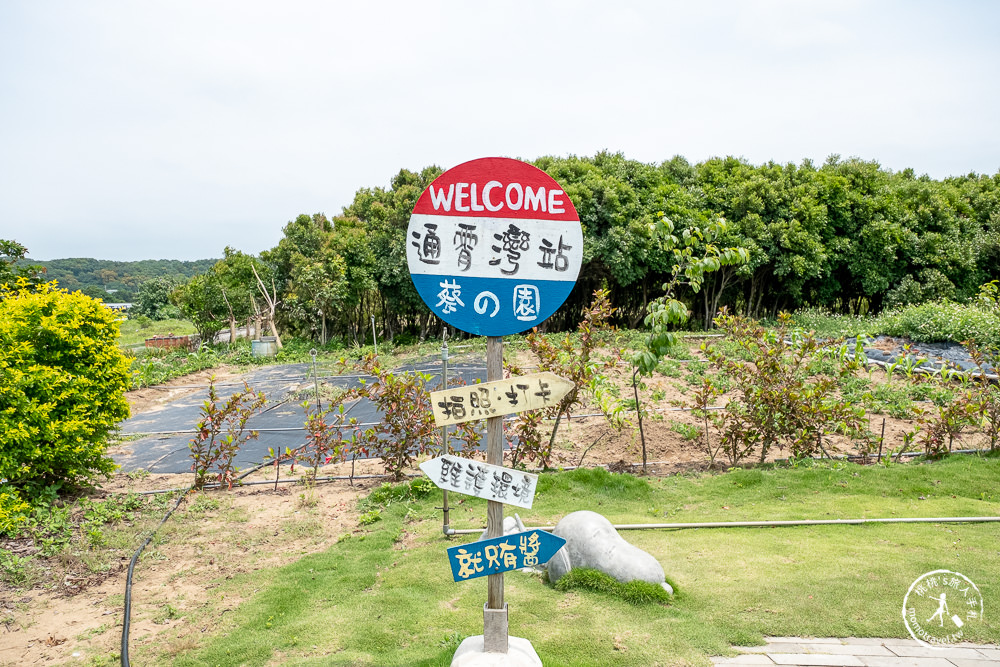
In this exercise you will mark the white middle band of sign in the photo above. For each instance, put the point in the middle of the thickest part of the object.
(464, 246)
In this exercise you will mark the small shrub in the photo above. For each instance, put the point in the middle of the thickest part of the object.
(368, 518)
(524, 439)
(985, 395)
(407, 427)
(574, 361)
(214, 453)
(686, 431)
(14, 513)
(704, 397)
(328, 432)
(942, 321)
(387, 494)
(776, 402)
(62, 385)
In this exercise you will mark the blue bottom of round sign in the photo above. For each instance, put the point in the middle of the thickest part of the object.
(491, 306)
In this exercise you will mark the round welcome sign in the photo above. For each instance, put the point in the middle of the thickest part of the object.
(494, 246)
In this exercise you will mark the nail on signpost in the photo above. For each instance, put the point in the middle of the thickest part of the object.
(494, 247)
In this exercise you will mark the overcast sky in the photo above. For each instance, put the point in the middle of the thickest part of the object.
(170, 129)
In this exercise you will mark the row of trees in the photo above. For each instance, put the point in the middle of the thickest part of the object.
(847, 235)
(98, 278)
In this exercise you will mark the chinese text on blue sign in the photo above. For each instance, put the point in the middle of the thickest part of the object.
(503, 554)
(494, 246)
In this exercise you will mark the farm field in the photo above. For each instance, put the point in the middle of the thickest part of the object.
(230, 567)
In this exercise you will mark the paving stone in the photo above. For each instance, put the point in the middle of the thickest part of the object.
(865, 641)
(849, 649)
(881, 661)
(749, 659)
(901, 642)
(773, 648)
(816, 659)
(801, 640)
(990, 652)
(946, 653)
(964, 662)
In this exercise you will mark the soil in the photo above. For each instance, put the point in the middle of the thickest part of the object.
(150, 399)
(73, 617)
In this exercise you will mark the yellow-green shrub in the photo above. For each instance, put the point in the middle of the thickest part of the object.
(13, 512)
(62, 384)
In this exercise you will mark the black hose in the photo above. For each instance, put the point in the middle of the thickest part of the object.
(126, 621)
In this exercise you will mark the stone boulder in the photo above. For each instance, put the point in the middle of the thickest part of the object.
(592, 542)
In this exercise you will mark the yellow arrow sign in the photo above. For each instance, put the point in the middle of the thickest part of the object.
(495, 399)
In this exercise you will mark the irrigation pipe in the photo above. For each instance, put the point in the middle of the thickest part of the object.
(127, 614)
(127, 617)
(332, 478)
(763, 524)
(271, 482)
(302, 428)
(933, 371)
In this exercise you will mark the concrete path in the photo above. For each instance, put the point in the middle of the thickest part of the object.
(851, 652)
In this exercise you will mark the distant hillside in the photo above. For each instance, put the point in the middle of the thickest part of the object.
(121, 279)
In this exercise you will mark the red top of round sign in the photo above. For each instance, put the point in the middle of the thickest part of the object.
(496, 187)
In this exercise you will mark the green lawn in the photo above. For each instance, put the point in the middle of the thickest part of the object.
(132, 333)
(385, 596)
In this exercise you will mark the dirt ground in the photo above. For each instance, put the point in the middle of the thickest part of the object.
(150, 399)
(253, 528)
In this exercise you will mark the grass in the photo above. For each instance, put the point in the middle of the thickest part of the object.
(81, 535)
(942, 321)
(383, 595)
(135, 331)
(932, 322)
(633, 592)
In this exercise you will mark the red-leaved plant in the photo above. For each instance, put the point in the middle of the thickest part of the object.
(212, 453)
(575, 362)
(328, 435)
(407, 428)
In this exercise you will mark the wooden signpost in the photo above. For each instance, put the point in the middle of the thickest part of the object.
(506, 397)
(495, 483)
(494, 247)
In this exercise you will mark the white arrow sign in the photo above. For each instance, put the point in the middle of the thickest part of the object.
(495, 399)
(483, 480)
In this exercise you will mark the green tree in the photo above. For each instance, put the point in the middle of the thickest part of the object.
(11, 254)
(153, 298)
(62, 384)
(234, 274)
(690, 268)
(385, 215)
(317, 290)
(201, 301)
(360, 302)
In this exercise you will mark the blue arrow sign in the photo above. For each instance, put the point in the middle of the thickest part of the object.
(503, 554)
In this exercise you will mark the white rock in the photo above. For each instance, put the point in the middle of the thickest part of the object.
(592, 542)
